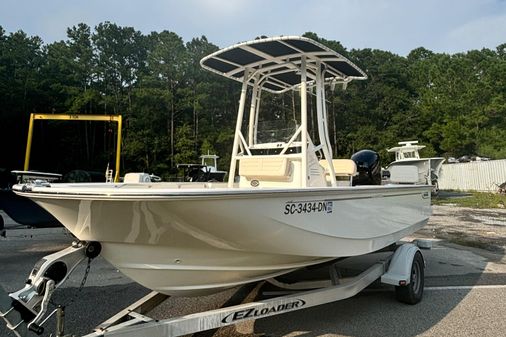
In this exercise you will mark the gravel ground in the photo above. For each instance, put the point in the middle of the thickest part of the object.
(479, 228)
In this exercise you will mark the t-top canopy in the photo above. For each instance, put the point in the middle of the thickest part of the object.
(275, 62)
(407, 146)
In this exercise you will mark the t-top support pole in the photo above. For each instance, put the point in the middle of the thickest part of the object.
(303, 120)
(252, 113)
(322, 122)
(237, 139)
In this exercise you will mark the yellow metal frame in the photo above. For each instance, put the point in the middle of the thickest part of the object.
(101, 118)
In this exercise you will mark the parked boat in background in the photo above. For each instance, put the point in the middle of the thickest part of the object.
(428, 169)
(207, 170)
(210, 163)
(23, 210)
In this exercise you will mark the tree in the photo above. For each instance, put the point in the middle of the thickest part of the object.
(120, 58)
(174, 111)
(184, 146)
(166, 68)
(21, 58)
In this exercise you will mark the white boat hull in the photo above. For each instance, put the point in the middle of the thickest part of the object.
(196, 241)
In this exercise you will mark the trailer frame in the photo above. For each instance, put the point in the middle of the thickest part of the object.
(395, 268)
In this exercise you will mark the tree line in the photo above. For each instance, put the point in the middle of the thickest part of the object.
(174, 111)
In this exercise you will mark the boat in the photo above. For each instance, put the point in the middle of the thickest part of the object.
(22, 210)
(210, 167)
(285, 205)
(207, 170)
(428, 169)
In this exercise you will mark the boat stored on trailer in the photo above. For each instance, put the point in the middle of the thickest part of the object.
(287, 210)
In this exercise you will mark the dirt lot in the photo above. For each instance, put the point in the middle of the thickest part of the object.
(479, 228)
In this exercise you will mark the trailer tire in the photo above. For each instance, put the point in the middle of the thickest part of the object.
(412, 293)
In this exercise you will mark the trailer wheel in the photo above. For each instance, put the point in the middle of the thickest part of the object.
(412, 293)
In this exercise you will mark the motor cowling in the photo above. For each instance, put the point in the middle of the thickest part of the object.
(368, 168)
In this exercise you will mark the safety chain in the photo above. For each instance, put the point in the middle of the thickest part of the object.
(86, 273)
(81, 286)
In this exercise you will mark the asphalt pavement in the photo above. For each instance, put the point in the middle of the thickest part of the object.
(464, 296)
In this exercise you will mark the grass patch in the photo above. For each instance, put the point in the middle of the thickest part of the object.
(472, 199)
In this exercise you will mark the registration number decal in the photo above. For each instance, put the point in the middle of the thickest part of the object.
(306, 207)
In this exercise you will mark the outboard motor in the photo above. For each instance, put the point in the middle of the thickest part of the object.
(368, 168)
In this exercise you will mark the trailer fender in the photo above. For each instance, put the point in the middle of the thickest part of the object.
(399, 269)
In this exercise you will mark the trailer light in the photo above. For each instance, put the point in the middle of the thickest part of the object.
(402, 283)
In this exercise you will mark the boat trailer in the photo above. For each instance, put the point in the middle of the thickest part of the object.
(25, 310)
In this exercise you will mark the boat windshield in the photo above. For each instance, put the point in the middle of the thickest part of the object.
(278, 117)
(276, 131)
(404, 154)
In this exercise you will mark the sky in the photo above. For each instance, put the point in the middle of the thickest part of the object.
(398, 26)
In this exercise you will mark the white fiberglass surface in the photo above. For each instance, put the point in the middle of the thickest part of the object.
(106, 189)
